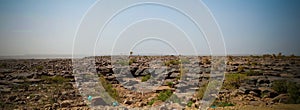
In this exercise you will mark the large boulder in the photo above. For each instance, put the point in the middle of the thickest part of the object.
(263, 81)
(282, 98)
(104, 70)
(267, 92)
(139, 71)
(99, 102)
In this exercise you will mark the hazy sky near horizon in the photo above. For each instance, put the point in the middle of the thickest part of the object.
(248, 26)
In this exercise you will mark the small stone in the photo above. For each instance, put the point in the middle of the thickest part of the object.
(115, 104)
(90, 98)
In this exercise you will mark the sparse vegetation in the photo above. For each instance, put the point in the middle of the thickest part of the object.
(39, 67)
(293, 92)
(240, 69)
(182, 71)
(21, 86)
(164, 95)
(230, 58)
(233, 80)
(201, 91)
(266, 56)
(122, 62)
(170, 84)
(146, 78)
(109, 89)
(254, 63)
(172, 62)
(7, 106)
(126, 62)
(291, 88)
(253, 73)
(3, 65)
(292, 56)
(184, 60)
(190, 103)
(280, 86)
(38, 83)
(210, 87)
(151, 102)
(279, 55)
(255, 56)
(54, 79)
(167, 63)
(222, 104)
(132, 60)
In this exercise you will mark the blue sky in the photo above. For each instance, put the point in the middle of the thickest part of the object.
(258, 26)
(248, 26)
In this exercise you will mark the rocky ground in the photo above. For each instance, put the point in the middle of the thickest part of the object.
(250, 81)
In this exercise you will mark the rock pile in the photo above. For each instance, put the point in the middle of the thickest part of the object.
(145, 81)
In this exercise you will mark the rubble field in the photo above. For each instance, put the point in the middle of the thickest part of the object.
(250, 82)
